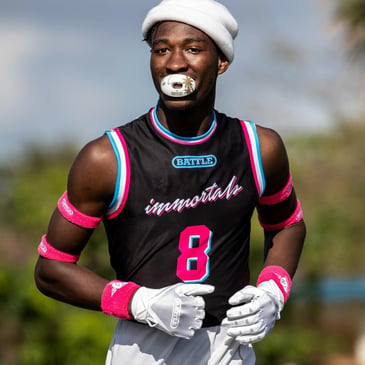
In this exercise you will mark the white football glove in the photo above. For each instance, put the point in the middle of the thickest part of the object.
(255, 312)
(178, 309)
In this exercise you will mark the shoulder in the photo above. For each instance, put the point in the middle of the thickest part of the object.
(92, 176)
(274, 158)
(95, 155)
(271, 143)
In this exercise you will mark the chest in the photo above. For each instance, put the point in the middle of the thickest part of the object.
(168, 177)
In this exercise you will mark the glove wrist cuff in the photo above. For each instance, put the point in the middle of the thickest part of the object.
(116, 297)
(280, 276)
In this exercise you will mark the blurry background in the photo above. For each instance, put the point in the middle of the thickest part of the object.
(70, 70)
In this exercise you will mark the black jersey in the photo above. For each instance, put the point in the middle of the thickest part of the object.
(182, 206)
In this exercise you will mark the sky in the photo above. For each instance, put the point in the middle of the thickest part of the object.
(71, 69)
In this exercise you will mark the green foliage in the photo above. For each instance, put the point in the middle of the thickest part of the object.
(30, 188)
(295, 344)
(329, 179)
(352, 14)
(34, 330)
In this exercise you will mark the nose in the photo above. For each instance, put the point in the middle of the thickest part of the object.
(177, 62)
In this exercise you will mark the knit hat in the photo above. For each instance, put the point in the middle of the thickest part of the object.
(209, 16)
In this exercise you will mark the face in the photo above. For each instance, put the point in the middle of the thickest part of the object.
(177, 48)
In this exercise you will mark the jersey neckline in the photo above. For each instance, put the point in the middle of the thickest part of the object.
(181, 139)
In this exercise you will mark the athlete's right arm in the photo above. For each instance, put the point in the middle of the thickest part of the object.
(90, 188)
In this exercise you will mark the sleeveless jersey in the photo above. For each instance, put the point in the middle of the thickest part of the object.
(182, 206)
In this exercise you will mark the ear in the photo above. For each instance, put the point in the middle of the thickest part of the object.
(223, 63)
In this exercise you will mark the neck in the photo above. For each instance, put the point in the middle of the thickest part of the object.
(186, 122)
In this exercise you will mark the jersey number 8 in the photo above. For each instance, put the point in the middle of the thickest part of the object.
(194, 245)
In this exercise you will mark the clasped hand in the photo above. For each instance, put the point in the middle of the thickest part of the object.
(254, 312)
(178, 309)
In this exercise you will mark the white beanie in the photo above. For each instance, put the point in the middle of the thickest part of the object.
(209, 16)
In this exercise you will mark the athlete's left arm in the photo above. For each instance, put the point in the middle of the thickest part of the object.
(255, 309)
(279, 208)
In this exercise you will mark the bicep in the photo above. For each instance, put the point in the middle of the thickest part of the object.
(279, 201)
(90, 189)
(65, 235)
(92, 177)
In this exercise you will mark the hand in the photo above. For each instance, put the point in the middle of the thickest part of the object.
(255, 313)
(178, 310)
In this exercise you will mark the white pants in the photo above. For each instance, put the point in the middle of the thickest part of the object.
(138, 344)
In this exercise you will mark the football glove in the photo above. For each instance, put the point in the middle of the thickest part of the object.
(178, 309)
(254, 313)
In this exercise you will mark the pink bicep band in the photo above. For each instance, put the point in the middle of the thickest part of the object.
(47, 251)
(280, 276)
(73, 215)
(280, 196)
(294, 218)
(116, 297)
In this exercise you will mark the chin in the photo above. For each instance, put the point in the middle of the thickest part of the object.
(178, 103)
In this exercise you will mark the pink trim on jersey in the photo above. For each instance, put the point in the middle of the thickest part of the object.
(116, 297)
(280, 196)
(73, 215)
(254, 159)
(294, 218)
(47, 251)
(280, 276)
(123, 178)
(177, 139)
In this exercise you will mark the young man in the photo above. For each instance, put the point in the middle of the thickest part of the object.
(176, 189)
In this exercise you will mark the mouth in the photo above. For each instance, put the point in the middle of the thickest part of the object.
(177, 85)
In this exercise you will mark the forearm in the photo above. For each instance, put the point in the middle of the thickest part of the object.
(284, 247)
(69, 283)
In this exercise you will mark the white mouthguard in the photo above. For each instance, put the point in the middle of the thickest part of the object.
(177, 85)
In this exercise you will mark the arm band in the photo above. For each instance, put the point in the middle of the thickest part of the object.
(280, 196)
(116, 297)
(279, 275)
(294, 218)
(47, 251)
(73, 215)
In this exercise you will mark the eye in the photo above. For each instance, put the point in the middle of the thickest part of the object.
(161, 50)
(194, 50)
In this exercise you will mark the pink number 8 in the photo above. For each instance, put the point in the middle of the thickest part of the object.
(194, 245)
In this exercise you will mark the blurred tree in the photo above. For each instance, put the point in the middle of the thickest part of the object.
(352, 13)
(34, 329)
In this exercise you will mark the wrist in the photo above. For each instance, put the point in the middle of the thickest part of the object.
(140, 302)
(279, 276)
(274, 292)
(116, 298)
